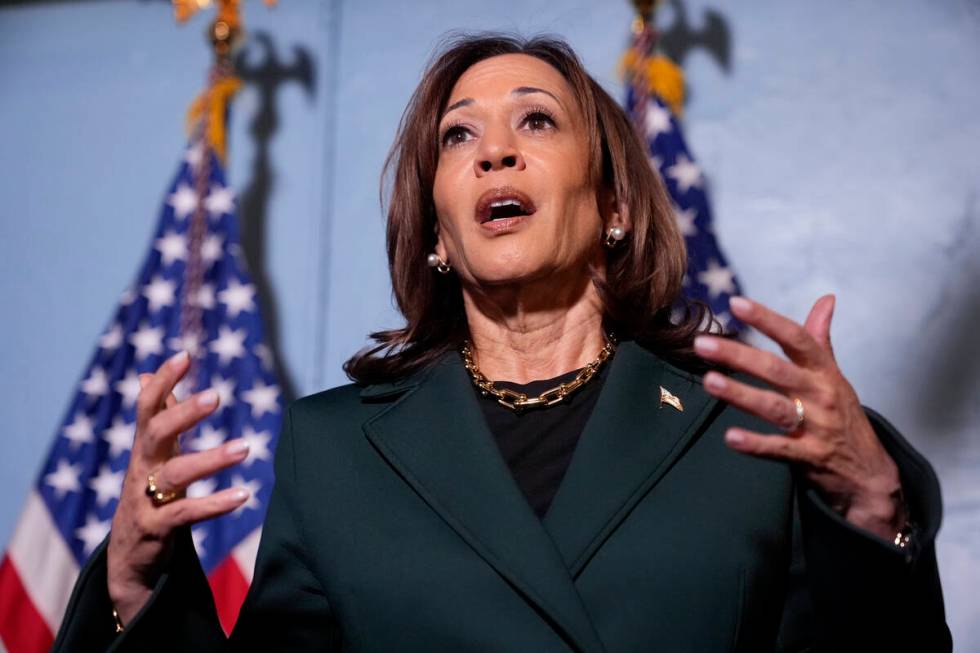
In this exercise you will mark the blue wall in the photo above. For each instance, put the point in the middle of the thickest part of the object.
(841, 149)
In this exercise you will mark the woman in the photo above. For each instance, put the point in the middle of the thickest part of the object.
(604, 496)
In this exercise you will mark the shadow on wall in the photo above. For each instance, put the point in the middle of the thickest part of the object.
(950, 384)
(259, 66)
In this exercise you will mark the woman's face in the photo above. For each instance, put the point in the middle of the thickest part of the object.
(513, 194)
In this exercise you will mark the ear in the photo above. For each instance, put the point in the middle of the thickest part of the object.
(611, 211)
(440, 247)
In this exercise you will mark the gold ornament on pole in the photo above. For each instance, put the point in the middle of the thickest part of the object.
(208, 110)
(645, 68)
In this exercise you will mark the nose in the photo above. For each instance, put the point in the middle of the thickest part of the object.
(497, 152)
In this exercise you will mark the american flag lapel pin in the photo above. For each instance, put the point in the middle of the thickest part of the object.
(667, 398)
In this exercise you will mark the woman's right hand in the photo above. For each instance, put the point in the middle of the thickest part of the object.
(141, 537)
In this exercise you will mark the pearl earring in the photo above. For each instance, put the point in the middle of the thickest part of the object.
(435, 262)
(614, 235)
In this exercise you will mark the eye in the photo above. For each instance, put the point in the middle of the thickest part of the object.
(454, 135)
(538, 119)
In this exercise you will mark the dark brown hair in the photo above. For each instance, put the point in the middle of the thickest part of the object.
(642, 288)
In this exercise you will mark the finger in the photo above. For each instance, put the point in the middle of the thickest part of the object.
(161, 432)
(794, 340)
(765, 365)
(770, 406)
(153, 391)
(817, 323)
(776, 447)
(179, 472)
(191, 511)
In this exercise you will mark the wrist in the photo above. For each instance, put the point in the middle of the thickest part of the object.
(880, 510)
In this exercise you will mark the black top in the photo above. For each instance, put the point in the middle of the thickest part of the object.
(538, 443)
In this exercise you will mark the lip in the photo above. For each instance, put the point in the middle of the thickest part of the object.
(482, 212)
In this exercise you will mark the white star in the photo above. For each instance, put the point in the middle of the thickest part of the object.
(205, 296)
(119, 436)
(657, 119)
(209, 438)
(147, 340)
(686, 173)
(80, 431)
(183, 389)
(106, 485)
(228, 345)
(198, 535)
(253, 488)
(238, 297)
(129, 388)
(225, 389)
(194, 155)
(172, 246)
(160, 293)
(211, 248)
(220, 200)
(92, 533)
(264, 354)
(64, 479)
(184, 201)
(258, 445)
(263, 398)
(189, 342)
(97, 383)
(202, 488)
(718, 279)
(685, 221)
(111, 338)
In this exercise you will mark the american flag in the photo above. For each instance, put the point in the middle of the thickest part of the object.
(708, 278)
(193, 292)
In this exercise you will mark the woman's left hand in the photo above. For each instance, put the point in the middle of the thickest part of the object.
(835, 444)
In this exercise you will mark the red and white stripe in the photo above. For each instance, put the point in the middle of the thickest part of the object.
(39, 571)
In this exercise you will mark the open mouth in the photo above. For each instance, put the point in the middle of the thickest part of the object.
(503, 204)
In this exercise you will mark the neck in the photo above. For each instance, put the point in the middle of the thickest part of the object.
(529, 331)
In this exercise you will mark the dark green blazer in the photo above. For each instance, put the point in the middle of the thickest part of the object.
(395, 525)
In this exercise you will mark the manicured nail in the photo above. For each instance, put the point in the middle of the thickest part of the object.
(207, 398)
(236, 447)
(740, 304)
(239, 495)
(714, 380)
(178, 359)
(706, 344)
(734, 437)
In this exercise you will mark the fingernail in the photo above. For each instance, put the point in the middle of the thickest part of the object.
(705, 344)
(240, 494)
(236, 447)
(714, 380)
(178, 359)
(207, 398)
(734, 437)
(740, 304)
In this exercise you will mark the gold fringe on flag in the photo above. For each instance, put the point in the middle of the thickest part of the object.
(664, 78)
(215, 101)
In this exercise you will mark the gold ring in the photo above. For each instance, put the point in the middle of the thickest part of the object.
(157, 496)
(800, 415)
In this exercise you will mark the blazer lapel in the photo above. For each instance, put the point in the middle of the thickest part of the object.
(436, 438)
(629, 443)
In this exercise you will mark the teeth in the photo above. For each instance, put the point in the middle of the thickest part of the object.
(504, 203)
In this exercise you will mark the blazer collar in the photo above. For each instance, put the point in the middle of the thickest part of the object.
(436, 438)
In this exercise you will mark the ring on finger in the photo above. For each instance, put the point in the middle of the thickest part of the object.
(158, 496)
(800, 415)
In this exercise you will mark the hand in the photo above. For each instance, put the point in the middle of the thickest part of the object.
(835, 445)
(140, 539)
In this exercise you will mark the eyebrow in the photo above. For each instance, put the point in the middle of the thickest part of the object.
(520, 90)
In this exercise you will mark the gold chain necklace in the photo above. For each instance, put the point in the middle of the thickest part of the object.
(518, 401)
